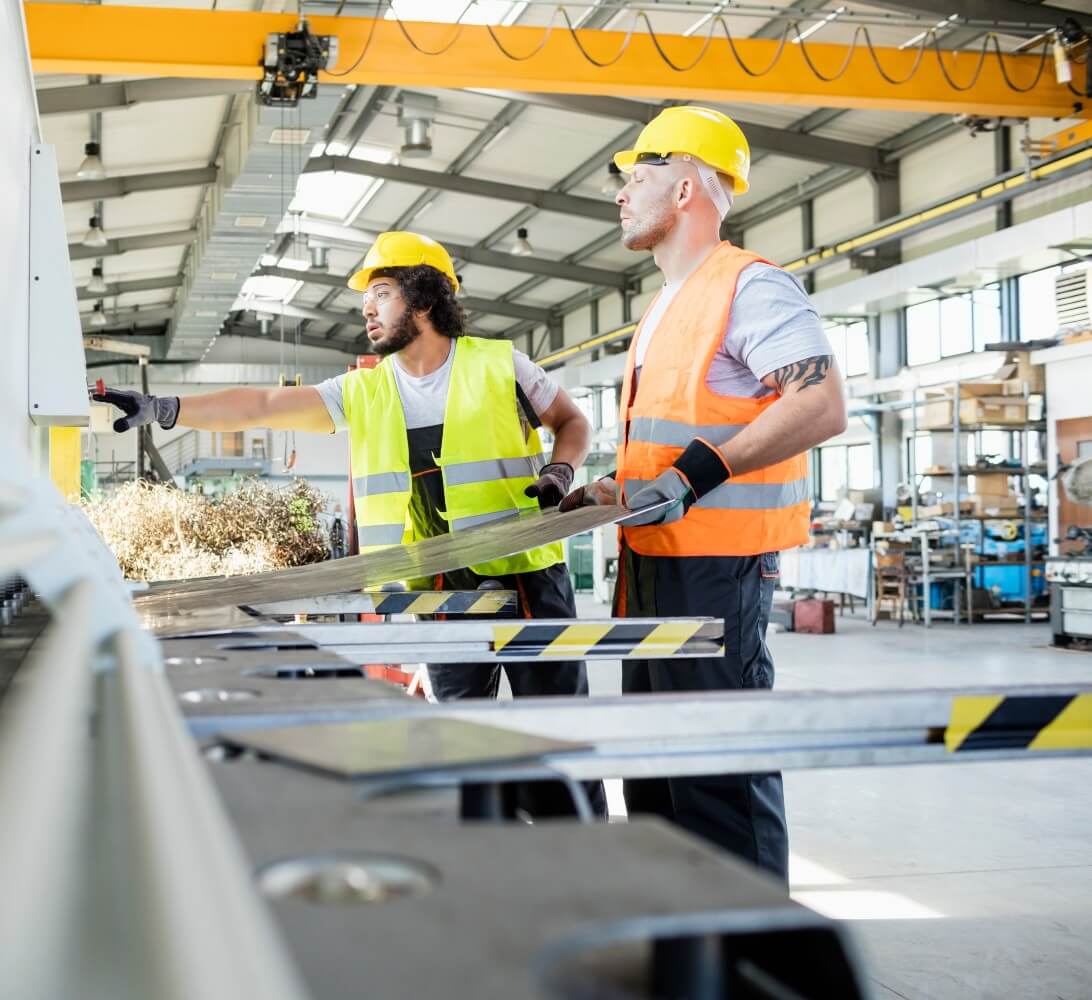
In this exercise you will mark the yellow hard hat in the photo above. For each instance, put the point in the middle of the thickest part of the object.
(396, 249)
(701, 132)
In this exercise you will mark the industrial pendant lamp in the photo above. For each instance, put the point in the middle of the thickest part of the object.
(95, 236)
(91, 169)
(98, 317)
(614, 182)
(522, 247)
(96, 286)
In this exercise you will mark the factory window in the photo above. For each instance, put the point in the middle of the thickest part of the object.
(1038, 317)
(608, 406)
(956, 324)
(849, 341)
(843, 468)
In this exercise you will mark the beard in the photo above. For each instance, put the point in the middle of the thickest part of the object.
(649, 231)
(403, 332)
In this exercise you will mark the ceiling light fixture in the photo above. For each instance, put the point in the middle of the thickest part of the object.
(614, 182)
(416, 113)
(98, 317)
(91, 169)
(318, 257)
(522, 247)
(96, 286)
(95, 236)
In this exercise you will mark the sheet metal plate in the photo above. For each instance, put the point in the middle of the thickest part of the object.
(374, 749)
(427, 558)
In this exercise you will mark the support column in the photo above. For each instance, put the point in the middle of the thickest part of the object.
(807, 232)
(887, 203)
(885, 333)
(1002, 163)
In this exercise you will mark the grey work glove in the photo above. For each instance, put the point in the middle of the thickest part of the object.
(602, 493)
(697, 471)
(140, 409)
(552, 484)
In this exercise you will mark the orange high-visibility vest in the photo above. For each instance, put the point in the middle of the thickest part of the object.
(763, 511)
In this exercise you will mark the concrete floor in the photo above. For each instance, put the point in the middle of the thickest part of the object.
(960, 881)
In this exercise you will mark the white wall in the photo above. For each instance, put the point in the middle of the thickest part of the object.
(19, 118)
(780, 239)
(844, 212)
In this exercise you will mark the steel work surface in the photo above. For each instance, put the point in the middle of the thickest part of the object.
(427, 558)
(515, 911)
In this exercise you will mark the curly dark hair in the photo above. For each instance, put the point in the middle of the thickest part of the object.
(426, 289)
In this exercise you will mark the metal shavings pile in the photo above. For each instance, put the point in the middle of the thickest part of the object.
(160, 533)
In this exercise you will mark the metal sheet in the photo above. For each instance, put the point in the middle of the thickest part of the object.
(363, 749)
(427, 558)
(382, 602)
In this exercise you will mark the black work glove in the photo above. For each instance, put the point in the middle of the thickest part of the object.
(552, 484)
(697, 471)
(140, 409)
(602, 491)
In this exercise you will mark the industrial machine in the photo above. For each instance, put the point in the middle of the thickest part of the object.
(1070, 575)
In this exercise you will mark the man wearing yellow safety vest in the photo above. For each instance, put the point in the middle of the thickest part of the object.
(443, 436)
(729, 381)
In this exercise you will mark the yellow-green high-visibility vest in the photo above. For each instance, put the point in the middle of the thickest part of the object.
(488, 457)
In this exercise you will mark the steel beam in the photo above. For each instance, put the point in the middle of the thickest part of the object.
(138, 285)
(127, 319)
(125, 244)
(253, 332)
(782, 142)
(514, 310)
(1008, 12)
(124, 94)
(226, 44)
(550, 201)
(118, 187)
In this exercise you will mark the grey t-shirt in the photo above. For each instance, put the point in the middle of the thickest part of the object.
(424, 398)
(772, 324)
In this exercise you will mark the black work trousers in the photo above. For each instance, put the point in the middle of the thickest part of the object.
(544, 593)
(742, 813)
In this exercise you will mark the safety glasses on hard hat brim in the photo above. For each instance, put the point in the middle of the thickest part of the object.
(650, 160)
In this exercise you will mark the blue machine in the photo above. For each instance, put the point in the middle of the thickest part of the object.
(1008, 582)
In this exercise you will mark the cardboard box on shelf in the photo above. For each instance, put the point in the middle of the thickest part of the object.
(994, 484)
(1017, 370)
(936, 414)
(994, 506)
(947, 508)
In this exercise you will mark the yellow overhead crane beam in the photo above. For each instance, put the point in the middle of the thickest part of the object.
(113, 40)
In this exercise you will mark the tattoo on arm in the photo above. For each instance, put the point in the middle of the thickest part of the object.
(810, 371)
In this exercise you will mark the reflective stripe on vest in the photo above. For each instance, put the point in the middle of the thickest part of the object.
(490, 469)
(462, 523)
(379, 535)
(744, 496)
(379, 483)
(676, 434)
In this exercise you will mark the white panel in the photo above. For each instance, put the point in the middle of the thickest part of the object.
(844, 212)
(57, 375)
(772, 175)
(869, 127)
(578, 326)
(1061, 195)
(160, 211)
(610, 312)
(780, 239)
(164, 135)
(551, 292)
(944, 167)
(835, 274)
(20, 131)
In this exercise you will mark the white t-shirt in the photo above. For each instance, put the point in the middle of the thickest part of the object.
(772, 324)
(424, 398)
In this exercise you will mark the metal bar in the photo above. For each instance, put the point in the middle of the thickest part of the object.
(712, 732)
(127, 318)
(550, 201)
(125, 244)
(464, 602)
(783, 142)
(85, 98)
(1010, 11)
(223, 44)
(43, 803)
(118, 187)
(213, 936)
(137, 285)
(490, 641)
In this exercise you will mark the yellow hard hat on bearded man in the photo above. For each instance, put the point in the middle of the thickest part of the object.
(703, 133)
(401, 249)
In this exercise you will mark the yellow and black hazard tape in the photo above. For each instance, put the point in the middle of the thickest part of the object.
(654, 640)
(443, 602)
(1029, 722)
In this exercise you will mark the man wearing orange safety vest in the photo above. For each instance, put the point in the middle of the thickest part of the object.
(729, 381)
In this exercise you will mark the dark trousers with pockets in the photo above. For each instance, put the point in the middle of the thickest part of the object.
(544, 593)
(742, 813)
